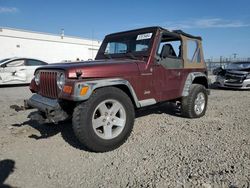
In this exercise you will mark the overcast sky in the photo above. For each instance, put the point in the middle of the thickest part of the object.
(224, 25)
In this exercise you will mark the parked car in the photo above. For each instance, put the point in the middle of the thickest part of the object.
(132, 69)
(235, 76)
(18, 70)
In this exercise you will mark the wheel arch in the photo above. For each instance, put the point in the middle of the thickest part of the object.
(126, 90)
(195, 78)
(202, 80)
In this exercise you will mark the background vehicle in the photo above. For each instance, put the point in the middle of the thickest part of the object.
(235, 75)
(132, 69)
(18, 70)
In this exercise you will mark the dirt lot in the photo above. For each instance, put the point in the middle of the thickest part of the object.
(164, 150)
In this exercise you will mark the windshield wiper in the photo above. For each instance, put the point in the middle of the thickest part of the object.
(129, 54)
(107, 55)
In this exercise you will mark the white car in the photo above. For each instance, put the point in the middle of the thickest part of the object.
(18, 70)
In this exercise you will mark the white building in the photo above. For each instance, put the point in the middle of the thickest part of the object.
(48, 47)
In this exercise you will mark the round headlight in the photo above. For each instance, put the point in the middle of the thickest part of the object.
(61, 80)
(37, 78)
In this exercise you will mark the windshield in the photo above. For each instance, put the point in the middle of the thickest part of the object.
(126, 45)
(240, 65)
(130, 44)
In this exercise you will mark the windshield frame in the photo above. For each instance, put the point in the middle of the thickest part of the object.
(121, 37)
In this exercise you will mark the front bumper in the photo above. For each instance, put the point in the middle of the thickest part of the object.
(222, 82)
(44, 104)
(51, 108)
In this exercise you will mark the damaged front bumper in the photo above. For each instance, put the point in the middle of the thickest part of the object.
(50, 110)
(224, 83)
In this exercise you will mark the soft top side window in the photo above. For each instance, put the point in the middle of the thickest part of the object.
(193, 51)
(173, 49)
(170, 45)
(170, 51)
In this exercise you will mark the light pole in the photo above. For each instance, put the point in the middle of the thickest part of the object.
(235, 55)
(62, 33)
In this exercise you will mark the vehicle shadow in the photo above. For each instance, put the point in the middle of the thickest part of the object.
(162, 108)
(7, 167)
(65, 128)
(213, 86)
(49, 130)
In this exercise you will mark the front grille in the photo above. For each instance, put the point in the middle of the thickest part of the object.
(234, 78)
(48, 85)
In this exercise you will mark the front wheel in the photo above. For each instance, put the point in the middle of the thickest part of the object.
(195, 104)
(105, 121)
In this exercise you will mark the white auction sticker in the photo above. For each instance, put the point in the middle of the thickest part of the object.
(144, 36)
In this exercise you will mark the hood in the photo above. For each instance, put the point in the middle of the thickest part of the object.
(221, 71)
(237, 71)
(98, 68)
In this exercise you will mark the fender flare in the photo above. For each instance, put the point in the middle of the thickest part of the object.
(95, 84)
(189, 80)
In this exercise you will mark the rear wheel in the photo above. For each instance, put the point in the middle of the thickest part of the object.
(195, 104)
(105, 121)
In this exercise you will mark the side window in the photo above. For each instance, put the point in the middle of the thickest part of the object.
(170, 53)
(193, 52)
(174, 48)
(116, 48)
(32, 62)
(15, 63)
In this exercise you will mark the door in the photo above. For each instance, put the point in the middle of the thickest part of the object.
(167, 70)
(13, 72)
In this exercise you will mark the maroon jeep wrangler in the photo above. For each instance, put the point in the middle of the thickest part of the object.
(132, 69)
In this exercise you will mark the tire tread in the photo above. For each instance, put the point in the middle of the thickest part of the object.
(188, 101)
(80, 115)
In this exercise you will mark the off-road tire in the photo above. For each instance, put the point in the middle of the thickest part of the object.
(188, 102)
(82, 120)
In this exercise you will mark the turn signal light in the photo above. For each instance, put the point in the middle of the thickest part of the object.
(84, 90)
(67, 89)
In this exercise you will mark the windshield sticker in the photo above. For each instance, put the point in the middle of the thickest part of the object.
(144, 36)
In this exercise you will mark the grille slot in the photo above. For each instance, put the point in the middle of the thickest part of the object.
(48, 85)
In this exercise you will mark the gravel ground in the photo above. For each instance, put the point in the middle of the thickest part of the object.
(164, 150)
